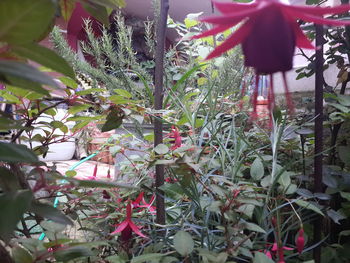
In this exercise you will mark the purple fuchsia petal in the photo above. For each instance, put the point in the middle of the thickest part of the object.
(269, 47)
(236, 38)
(320, 11)
(126, 234)
(136, 229)
(227, 8)
(121, 227)
(128, 211)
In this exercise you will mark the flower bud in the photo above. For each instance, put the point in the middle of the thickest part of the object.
(300, 242)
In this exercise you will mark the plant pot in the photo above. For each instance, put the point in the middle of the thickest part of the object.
(104, 156)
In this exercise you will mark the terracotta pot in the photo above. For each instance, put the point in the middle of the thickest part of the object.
(99, 139)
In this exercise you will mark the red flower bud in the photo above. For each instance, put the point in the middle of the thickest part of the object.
(95, 171)
(274, 221)
(300, 242)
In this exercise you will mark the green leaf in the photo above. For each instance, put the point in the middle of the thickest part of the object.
(24, 92)
(344, 99)
(89, 91)
(310, 206)
(52, 226)
(257, 169)
(67, 7)
(183, 243)
(261, 258)
(12, 206)
(24, 21)
(8, 181)
(284, 179)
(345, 195)
(69, 82)
(71, 253)
(114, 4)
(49, 212)
(182, 80)
(123, 92)
(78, 108)
(31, 244)
(161, 149)
(97, 11)
(11, 152)
(23, 72)
(45, 57)
(8, 124)
(254, 227)
(169, 260)
(80, 125)
(56, 124)
(115, 259)
(21, 255)
(114, 120)
(340, 107)
(344, 154)
(190, 22)
(94, 183)
(335, 216)
(147, 258)
(344, 233)
(28, 85)
(9, 98)
(71, 173)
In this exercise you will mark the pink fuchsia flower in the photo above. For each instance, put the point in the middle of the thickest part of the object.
(94, 174)
(175, 134)
(269, 34)
(128, 226)
(275, 250)
(140, 199)
(300, 242)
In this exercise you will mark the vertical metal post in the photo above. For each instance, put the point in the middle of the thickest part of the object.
(158, 104)
(318, 159)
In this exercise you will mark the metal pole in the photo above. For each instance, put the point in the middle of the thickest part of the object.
(318, 159)
(158, 105)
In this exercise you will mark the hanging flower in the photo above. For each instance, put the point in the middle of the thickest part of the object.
(128, 226)
(140, 199)
(94, 174)
(269, 34)
(275, 250)
(175, 134)
(300, 242)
